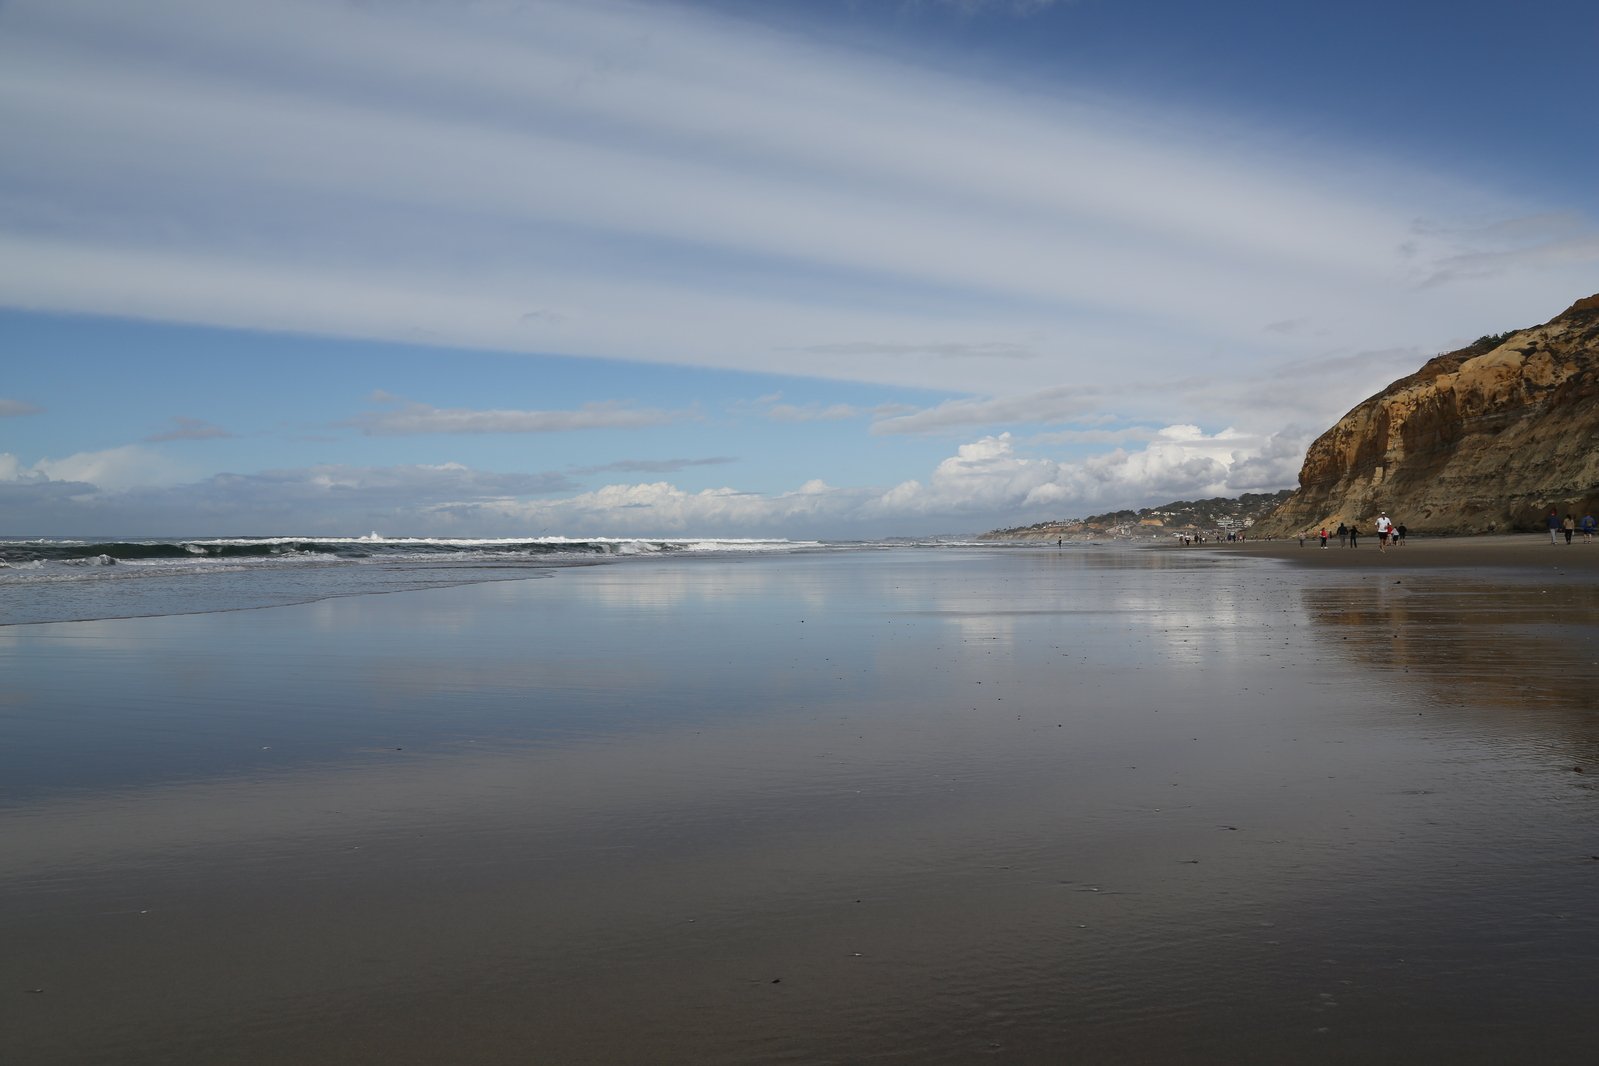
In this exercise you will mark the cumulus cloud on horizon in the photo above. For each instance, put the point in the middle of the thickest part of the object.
(986, 483)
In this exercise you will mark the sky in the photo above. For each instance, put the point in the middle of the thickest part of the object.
(819, 268)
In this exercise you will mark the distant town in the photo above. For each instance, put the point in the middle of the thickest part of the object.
(1215, 518)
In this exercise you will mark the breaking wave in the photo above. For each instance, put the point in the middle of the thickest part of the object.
(33, 553)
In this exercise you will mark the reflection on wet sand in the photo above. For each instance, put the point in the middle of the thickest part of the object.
(1520, 653)
(903, 807)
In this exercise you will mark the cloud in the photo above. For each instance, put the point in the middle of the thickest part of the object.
(652, 466)
(1516, 246)
(406, 486)
(988, 476)
(985, 483)
(660, 183)
(189, 429)
(771, 406)
(16, 408)
(330, 498)
(37, 498)
(935, 349)
(129, 466)
(834, 412)
(1578, 251)
(1124, 435)
(419, 418)
(1015, 8)
(1052, 405)
(662, 508)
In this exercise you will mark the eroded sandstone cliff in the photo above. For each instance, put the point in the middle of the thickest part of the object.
(1484, 439)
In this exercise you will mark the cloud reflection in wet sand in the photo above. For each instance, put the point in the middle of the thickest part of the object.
(907, 805)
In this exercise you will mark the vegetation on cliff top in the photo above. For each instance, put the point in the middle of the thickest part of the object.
(1216, 513)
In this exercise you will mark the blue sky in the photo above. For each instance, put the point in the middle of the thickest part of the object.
(835, 268)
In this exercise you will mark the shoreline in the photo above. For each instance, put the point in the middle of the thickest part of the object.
(1494, 551)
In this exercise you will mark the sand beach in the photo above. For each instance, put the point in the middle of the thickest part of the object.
(1242, 804)
(1497, 552)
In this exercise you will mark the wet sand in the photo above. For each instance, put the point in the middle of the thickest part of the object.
(1028, 806)
(1516, 551)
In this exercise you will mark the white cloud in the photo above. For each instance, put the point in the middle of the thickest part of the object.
(771, 406)
(1058, 404)
(933, 349)
(989, 477)
(986, 483)
(127, 467)
(96, 492)
(1124, 435)
(663, 508)
(814, 412)
(653, 182)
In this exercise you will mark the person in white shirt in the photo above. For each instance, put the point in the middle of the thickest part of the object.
(1384, 528)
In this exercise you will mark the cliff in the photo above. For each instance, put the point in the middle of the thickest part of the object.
(1487, 438)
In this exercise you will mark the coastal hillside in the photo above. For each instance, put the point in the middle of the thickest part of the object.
(1484, 439)
(1216, 516)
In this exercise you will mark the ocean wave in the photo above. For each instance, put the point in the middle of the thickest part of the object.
(15, 554)
(50, 580)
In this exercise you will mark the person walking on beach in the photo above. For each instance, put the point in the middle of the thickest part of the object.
(1354, 536)
(1343, 535)
(1587, 528)
(1553, 523)
(1384, 528)
(1324, 536)
(1568, 526)
(1399, 534)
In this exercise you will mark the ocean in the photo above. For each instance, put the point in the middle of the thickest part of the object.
(760, 801)
(62, 579)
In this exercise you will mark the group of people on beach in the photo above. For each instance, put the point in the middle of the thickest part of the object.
(1392, 534)
(1389, 534)
(1568, 526)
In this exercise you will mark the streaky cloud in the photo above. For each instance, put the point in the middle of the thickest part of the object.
(935, 349)
(652, 466)
(1054, 405)
(512, 176)
(419, 418)
(186, 428)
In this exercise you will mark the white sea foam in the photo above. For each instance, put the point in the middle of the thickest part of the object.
(178, 575)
